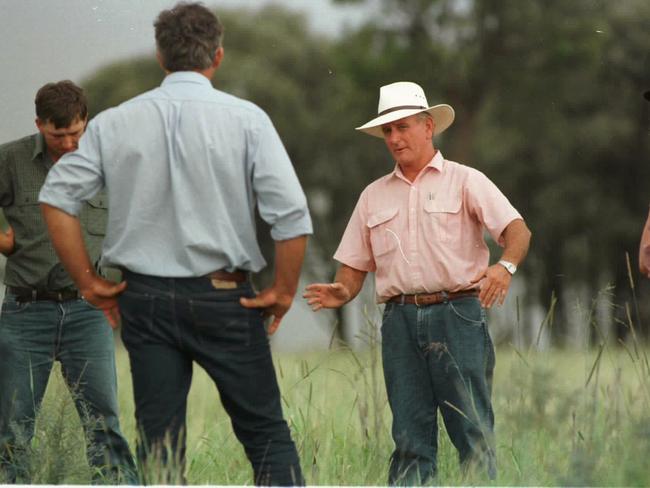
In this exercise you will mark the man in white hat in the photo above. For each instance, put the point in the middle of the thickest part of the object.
(420, 230)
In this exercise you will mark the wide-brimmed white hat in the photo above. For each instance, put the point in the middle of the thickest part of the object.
(403, 99)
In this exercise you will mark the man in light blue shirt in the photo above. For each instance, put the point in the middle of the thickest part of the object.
(184, 166)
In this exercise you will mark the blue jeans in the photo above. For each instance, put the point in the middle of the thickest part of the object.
(167, 324)
(438, 357)
(32, 336)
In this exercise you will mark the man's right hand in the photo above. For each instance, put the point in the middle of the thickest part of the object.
(7, 242)
(102, 294)
(326, 295)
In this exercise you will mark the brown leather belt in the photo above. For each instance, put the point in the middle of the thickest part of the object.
(236, 276)
(424, 299)
(40, 294)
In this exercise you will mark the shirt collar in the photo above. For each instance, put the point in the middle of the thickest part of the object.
(39, 146)
(40, 151)
(437, 162)
(186, 77)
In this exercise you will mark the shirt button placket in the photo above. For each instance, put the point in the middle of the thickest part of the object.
(412, 229)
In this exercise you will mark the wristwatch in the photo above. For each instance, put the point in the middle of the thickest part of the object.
(510, 267)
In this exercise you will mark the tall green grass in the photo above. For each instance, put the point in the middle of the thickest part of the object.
(562, 418)
(569, 418)
(57, 453)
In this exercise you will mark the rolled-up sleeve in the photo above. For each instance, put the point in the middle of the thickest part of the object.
(280, 198)
(76, 177)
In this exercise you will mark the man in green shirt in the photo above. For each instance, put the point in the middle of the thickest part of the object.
(44, 319)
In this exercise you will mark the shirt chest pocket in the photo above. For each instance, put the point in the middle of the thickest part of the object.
(383, 231)
(94, 215)
(27, 203)
(26, 215)
(442, 218)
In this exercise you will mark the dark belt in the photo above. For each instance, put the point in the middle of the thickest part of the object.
(424, 299)
(40, 294)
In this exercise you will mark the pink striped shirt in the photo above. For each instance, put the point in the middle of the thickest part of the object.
(425, 236)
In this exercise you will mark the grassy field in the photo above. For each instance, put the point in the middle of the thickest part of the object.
(563, 418)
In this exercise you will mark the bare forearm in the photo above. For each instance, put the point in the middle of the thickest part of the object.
(351, 278)
(67, 239)
(516, 238)
(289, 256)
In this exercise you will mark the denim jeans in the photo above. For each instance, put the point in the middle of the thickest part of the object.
(167, 324)
(32, 336)
(438, 357)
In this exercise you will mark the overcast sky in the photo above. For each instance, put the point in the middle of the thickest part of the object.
(50, 40)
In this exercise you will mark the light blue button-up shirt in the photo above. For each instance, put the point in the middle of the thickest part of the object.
(184, 166)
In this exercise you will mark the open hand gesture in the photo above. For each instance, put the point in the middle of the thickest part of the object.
(326, 295)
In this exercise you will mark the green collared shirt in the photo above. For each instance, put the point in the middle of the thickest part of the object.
(24, 164)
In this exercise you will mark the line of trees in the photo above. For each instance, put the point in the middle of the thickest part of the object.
(549, 105)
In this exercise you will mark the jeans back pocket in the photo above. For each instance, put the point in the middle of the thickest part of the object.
(225, 323)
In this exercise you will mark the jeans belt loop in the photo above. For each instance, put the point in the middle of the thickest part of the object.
(415, 298)
(34, 294)
(445, 296)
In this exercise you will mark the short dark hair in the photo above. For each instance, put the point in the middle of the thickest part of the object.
(187, 37)
(61, 103)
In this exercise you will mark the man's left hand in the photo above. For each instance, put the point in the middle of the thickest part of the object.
(274, 303)
(102, 294)
(494, 284)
